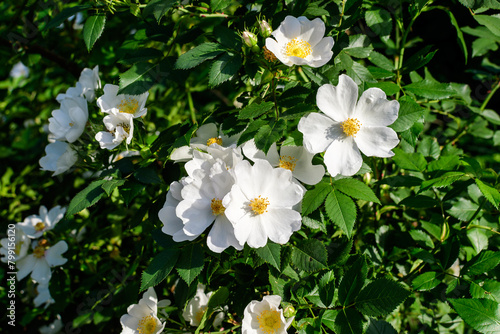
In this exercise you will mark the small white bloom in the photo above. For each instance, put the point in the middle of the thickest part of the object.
(299, 41)
(35, 225)
(71, 92)
(294, 158)
(21, 241)
(19, 70)
(68, 122)
(206, 136)
(173, 225)
(90, 81)
(260, 203)
(200, 165)
(120, 127)
(345, 128)
(265, 317)
(41, 260)
(202, 205)
(43, 296)
(128, 104)
(197, 307)
(53, 328)
(60, 157)
(142, 317)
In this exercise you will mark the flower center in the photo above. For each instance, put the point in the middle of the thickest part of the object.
(19, 245)
(128, 105)
(217, 207)
(259, 205)
(288, 162)
(214, 140)
(200, 313)
(350, 126)
(125, 127)
(39, 252)
(39, 226)
(147, 325)
(298, 48)
(71, 124)
(269, 321)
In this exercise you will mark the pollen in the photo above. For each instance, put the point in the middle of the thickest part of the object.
(128, 105)
(298, 48)
(288, 162)
(125, 127)
(147, 325)
(269, 321)
(39, 226)
(350, 126)
(217, 207)
(71, 124)
(268, 55)
(214, 140)
(39, 252)
(259, 205)
(199, 315)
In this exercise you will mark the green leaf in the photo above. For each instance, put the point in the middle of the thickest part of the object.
(327, 288)
(348, 321)
(158, 8)
(315, 197)
(65, 14)
(431, 89)
(426, 281)
(389, 88)
(141, 77)
(491, 22)
(381, 297)
(482, 263)
(217, 298)
(421, 238)
(92, 30)
(478, 238)
(463, 209)
(460, 36)
(269, 134)
(380, 327)
(159, 268)
(190, 262)
(419, 59)
(342, 211)
(111, 185)
(352, 282)
(86, 198)
(310, 255)
(271, 253)
(198, 55)
(147, 175)
(490, 193)
(442, 181)
(490, 289)
(381, 61)
(481, 314)
(217, 5)
(255, 110)
(380, 21)
(448, 162)
(251, 130)
(419, 202)
(409, 161)
(356, 189)
(224, 69)
(409, 113)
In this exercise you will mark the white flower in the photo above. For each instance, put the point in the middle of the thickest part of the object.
(142, 318)
(71, 92)
(197, 307)
(43, 296)
(90, 81)
(53, 328)
(21, 244)
(295, 158)
(127, 104)
(301, 42)
(19, 70)
(35, 225)
(120, 127)
(68, 122)
(60, 157)
(206, 136)
(202, 205)
(41, 260)
(200, 165)
(173, 225)
(260, 204)
(265, 317)
(347, 127)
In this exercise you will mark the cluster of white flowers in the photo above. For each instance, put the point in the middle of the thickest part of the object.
(246, 204)
(29, 235)
(69, 121)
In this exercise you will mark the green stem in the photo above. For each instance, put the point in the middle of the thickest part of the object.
(192, 111)
(488, 98)
(471, 226)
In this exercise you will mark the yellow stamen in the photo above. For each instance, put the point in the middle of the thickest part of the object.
(217, 207)
(269, 321)
(259, 205)
(350, 126)
(214, 140)
(268, 55)
(147, 325)
(39, 252)
(39, 226)
(125, 127)
(298, 48)
(288, 162)
(199, 315)
(71, 124)
(128, 105)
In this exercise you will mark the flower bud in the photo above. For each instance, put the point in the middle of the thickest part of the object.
(249, 38)
(289, 310)
(265, 29)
